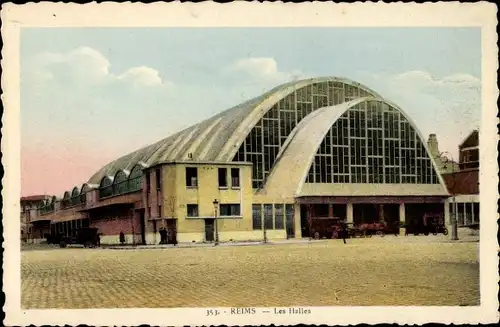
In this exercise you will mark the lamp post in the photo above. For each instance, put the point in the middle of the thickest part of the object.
(216, 207)
(454, 224)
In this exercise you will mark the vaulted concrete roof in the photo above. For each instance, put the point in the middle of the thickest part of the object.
(217, 138)
(292, 165)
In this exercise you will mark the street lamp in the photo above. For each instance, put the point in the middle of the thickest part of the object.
(216, 207)
(454, 224)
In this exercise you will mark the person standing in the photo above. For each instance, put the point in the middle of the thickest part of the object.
(162, 235)
(122, 238)
(344, 231)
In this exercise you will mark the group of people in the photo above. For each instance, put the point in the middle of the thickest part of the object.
(165, 236)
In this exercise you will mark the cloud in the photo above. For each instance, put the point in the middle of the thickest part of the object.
(262, 69)
(448, 105)
(85, 66)
(74, 106)
(143, 76)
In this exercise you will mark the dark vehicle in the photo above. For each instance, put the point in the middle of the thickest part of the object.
(88, 237)
(367, 230)
(429, 224)
(54, 238)
(326, 227)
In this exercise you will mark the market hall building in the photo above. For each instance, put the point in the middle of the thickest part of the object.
(322, 147)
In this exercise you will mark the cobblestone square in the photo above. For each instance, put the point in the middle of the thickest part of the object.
(377, 271)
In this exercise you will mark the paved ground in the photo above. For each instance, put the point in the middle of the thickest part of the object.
(376, 271)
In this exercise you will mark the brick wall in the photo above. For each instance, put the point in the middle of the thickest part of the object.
(463, 182)
(115, 225)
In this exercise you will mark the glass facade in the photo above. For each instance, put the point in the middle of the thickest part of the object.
(263, 143)
(257, 216)
(268, 216)
(372, 143)
(121, 183)
(279, 216)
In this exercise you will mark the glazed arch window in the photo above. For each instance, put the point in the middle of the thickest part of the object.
(66, 200)
(83, 193)
(134, 179)
(120, 183)
(75, 196)
(106, 187)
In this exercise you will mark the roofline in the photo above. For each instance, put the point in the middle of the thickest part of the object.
(468, 135)
(194, 162)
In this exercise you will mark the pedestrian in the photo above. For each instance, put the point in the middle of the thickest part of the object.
(122, 238)
(344, 231)
(162, 235)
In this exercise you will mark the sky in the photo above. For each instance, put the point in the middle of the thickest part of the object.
(90, 95)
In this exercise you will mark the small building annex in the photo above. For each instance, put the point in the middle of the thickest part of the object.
(321, 147)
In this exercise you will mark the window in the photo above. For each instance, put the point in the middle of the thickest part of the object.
(192, 210)
(257, 216)
(222, 177)
(476, 211)
(372, 143)
(230, 210)
(278, 216)
(268, 216)
(235, 177)
(148, 182)
(106, 187)
(134, 182)
(149, 211)
(160, 213)
(191, 177)
(158, 179)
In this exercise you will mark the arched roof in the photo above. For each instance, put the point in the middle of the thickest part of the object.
(297, 154)
(217, 138)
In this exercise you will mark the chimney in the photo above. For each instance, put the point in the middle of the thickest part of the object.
(433, 145)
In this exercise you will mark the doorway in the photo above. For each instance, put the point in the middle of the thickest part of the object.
(142, 226)
(209, 230)
(171, 231)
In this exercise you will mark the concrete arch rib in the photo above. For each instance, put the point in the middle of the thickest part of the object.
(296, 157)
(247, 124)
(293, 163)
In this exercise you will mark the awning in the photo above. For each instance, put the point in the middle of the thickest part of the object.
(369, 199)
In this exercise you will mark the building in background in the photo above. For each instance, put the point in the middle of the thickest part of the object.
(444, 164)
(463, 183)
(29, 205)
(317, 148)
